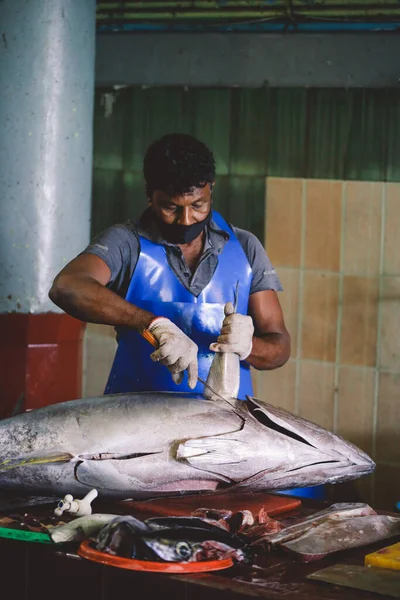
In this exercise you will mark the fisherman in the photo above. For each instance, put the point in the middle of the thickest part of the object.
(172, 273)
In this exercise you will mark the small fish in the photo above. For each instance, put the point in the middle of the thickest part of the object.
(189, 546)
(338, 511)
(334, 535)
(170, 539)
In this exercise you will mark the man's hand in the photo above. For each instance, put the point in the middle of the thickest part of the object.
(236, 334)
(175, 350)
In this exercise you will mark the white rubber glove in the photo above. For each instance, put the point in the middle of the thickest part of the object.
(236, 334)
(175, 350)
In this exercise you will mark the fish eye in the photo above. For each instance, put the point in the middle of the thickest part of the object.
(183, 550)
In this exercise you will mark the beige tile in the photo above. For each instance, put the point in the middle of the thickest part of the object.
(387, 487)
(388, 426)
(359, 490)
(316, 392)
(356, 406)
(391, 257)
(99, 351)
(359, 329)
(284, 221)
(323, 224)
(320, 314)
(289, 299)
(362, 228)
(278, 387)
(365, 489)
(390, 324)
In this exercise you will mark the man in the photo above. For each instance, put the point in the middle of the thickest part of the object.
(173, 273)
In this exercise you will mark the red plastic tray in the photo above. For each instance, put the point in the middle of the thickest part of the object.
(185, 505)
(86, 551)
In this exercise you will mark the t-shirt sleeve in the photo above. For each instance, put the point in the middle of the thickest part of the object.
(119, 247)
(264, 274)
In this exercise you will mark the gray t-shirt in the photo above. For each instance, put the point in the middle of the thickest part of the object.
(119, 247)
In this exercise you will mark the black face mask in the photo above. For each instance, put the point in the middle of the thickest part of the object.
(181, 234)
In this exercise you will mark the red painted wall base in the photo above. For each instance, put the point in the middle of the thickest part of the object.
(40, 360)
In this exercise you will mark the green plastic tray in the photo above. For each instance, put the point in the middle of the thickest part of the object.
(25, 536)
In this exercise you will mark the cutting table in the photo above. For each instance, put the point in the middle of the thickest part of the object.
(44, 571)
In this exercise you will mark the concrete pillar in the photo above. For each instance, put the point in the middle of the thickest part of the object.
(47, 51)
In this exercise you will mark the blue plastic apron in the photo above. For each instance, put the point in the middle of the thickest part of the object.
(155, 288)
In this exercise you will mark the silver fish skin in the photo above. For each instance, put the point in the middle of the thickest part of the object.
(339, 511)
(334, 535)
(150, 444)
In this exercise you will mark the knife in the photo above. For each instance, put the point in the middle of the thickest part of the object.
(147, 335)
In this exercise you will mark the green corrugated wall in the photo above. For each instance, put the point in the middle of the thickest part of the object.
(317, 133)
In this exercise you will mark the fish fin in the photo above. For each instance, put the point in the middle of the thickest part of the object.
(212, 451)
(24, 461)
(223, 378)
(282, 421)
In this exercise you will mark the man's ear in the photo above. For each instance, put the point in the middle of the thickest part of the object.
(212, 187)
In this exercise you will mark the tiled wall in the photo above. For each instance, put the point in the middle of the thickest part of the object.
(336, 248)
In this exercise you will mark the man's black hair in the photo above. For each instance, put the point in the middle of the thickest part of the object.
(176, 164)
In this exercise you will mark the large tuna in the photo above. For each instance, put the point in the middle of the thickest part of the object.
(148, 444)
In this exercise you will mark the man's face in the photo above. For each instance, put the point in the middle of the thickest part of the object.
(183, 210)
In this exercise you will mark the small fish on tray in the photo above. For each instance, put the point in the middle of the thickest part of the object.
(170, 539)
(214, 534)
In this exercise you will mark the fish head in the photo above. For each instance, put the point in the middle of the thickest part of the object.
(321, 456)
(275, 449)
(190, 550)
(172, 550)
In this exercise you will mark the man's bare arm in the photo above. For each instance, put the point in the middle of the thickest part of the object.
(79, 289)
(271, 340)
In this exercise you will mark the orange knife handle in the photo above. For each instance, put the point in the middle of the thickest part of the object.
(149, 337)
